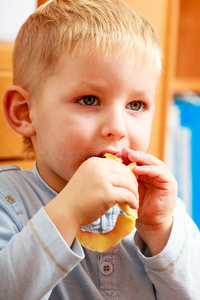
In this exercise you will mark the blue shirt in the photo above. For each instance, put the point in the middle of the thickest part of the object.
(36, 263)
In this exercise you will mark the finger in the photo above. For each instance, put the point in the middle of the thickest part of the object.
(123, 177)
(125, 196)
(142, 158)
(150, 170)
(119, 168)
(119, 181)
(154, 175)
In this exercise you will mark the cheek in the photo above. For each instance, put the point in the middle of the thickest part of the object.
(72, 145)
(140, 136)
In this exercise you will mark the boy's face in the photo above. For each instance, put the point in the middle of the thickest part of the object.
(90, 106)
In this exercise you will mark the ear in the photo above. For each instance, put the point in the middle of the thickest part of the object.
(16, 104)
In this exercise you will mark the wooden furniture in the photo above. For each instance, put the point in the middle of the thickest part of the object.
(187, 38)
(182, 59)
(157, 13)
(10, 141)
(178, 25)
(40, 2)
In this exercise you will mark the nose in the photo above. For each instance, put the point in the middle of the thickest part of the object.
(114, 124)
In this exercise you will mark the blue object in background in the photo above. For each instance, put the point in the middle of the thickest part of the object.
(190, 117)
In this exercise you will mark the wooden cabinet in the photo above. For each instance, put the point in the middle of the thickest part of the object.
(183, 49)
(187, 61)
(157, 13)
(10, 141)
(40, 2)
(178, 25)
(182, 54)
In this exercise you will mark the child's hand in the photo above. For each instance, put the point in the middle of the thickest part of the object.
(96, 186)
(158, 194)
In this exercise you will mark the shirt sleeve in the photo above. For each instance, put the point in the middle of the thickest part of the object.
(175, 271)
(35, 259)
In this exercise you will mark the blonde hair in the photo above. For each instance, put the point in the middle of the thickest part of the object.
(67, 26)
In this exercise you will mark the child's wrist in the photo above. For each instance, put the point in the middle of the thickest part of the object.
(63, 220)
(156, 236)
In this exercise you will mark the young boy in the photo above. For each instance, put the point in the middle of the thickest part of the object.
(85, 77)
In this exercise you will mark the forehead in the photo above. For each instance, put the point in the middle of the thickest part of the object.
(110, 75)
(88, 61)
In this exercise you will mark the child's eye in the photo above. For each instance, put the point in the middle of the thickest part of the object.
(88, 100)
(135, 105)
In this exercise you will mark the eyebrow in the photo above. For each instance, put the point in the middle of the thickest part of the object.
(92, 87)
(143, 93)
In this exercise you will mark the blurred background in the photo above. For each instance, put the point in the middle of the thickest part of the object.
(176, 127)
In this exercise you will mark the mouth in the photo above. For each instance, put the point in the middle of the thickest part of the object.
(114, 152)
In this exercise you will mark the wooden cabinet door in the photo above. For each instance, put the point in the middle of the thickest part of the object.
(157, 13)
(10, 145)
(10, 141)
